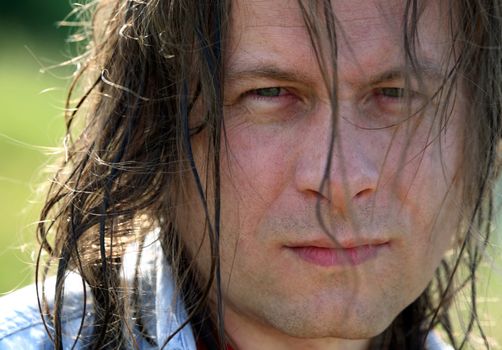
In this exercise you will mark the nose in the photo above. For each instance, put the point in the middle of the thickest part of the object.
(345, 175)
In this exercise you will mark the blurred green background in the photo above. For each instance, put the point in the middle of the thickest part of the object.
(31, 124)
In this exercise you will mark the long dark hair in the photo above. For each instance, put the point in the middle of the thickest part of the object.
(128, 157)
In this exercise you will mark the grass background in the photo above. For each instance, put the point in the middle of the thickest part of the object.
(31, 123)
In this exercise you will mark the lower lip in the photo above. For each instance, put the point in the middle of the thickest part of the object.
(338, 256)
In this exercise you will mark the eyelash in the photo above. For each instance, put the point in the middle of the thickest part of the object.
(388, 92)
(255, 93)
(394, 93)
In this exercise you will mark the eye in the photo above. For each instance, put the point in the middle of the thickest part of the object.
(268, 104)
(391, 105)
(268, 98)
(269, 92)
(392, 92)
(397, 97)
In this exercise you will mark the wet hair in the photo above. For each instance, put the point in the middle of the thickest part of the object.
(128, 158)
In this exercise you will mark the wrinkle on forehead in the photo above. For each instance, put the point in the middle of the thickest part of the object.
(287, 14)
(258, 13)
(360, 21)
(369, 37)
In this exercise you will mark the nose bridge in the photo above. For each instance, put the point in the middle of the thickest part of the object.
(352, 173)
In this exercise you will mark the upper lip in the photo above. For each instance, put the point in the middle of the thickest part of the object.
(345, 243)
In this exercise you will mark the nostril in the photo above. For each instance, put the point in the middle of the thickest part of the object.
(317, 195)
(363, 193)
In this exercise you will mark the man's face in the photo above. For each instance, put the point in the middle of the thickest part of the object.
(391, 196)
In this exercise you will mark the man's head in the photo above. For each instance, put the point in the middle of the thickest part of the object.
(317, 252)
(308, 164)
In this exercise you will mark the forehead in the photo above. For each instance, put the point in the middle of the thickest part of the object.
(287, 13)
(369, 34)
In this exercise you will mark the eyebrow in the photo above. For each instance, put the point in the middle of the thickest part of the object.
(426, 69)
(269, 71)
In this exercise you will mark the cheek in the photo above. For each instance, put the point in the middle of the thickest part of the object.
(430, 191)
(423, 165)
(255, 167)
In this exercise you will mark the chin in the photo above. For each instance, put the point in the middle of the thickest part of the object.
(340, 331)
(357, 325)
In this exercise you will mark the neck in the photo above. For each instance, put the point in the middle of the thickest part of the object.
(246, 333)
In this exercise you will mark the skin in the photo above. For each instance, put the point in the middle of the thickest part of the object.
(394, 188)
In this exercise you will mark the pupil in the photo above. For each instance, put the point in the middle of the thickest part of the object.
(269, 92)
(392, 92)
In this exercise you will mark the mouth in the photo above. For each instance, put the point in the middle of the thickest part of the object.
(349, 255)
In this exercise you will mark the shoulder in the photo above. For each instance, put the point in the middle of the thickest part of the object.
(21, 325)
(159, 295)
(434, 342)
